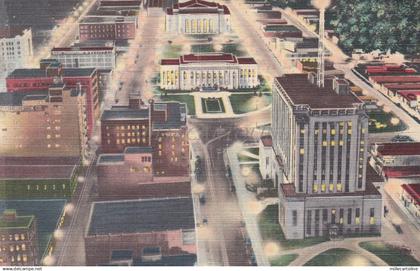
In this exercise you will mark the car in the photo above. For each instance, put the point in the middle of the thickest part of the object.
(251, 188)
(401, 138)
(205, 221)
(202, 198)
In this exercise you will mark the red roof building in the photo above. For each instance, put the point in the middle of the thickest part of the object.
(411, 198)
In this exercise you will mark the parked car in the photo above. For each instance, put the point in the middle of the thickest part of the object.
(401, 138)
(251, 188)
(202, 198)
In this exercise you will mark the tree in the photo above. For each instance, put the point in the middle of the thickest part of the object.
(377, 25)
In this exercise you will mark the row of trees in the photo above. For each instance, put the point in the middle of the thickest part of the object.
(377, 25)
(371, 24)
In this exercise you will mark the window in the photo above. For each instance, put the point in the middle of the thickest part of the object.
(309, 222)
(188, 237)
(349, 216)
(357, 219)
(294, 218)
(372, 220)
(341, 216)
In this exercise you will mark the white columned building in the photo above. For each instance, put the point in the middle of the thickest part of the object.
(210, 70)
(198, 17)
(15, 51)
(319, 160)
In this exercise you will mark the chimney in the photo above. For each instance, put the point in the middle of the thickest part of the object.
(134, 101)
(341, 86)
(9, 215)
(312, 77)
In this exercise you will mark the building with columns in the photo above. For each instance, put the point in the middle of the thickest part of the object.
(198, 17)
(210, 70)
(319, 160)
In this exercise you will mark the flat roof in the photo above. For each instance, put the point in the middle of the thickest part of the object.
(16, 222)
(47, 160)
(399, 148)
(413, 190)
(124, 114)
(208, 57)
(106, 19)
(396, 79)
(402, 172)
(301, 91)
(70, 72)
(11, 31)
(138, 216)
(267, 140)
(110, 158)
(281, 28)
(36, 172)
(171, 260)
(138, 150)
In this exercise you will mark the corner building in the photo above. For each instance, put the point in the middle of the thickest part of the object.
(319, 160)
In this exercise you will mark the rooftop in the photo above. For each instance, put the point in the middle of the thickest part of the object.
(36, 172)
(125, 114)
(56, 160)
(138, 216)
(281, 28)
(16, 222)
(396, 79)
(130, 150)
(208, 57)
(413, 190)
(267, 140)
(11, 32)
(176, 116)
(302, 92)
(401, 172)
(30, 73)
(171, 260)
(399, 148)
(110, 158)
(106, 19)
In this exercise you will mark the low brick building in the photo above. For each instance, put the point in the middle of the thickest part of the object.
(108, 28)
(161, 126)
(140, 232)
(130, 175)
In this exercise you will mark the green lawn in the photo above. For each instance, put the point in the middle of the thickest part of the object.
(283, 260)
(171, 51)
(271, 230)
(244, 103)
(393, 256)
(339, 257)
(202, 48)
(380, 122)
(183, 98)
(212, 105)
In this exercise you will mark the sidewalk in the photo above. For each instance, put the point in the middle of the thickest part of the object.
(245, 198)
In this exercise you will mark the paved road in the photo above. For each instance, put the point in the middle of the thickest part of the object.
(225, 242)
(141, 62)
(246, 29)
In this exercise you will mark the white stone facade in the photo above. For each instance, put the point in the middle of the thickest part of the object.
(198, 17)
(194, 72)
(102, 58)
(15, 52)
(320, 160)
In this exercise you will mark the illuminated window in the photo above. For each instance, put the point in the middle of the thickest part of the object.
(128, 140)
(302, 131)
(16, 237)
(118, 141)
(372, 221)
(333, 143)
(333, 132)
(323, 187)
(24, 258)
(315, 188)
(339, 187)
(331, 187)
(357, 220)
(48, 136)
(324, 143)
(341, 143)
(123, 141)
(160, 153)
(144, 140)
(349, 131)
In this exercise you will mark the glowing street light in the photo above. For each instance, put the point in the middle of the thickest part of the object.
(49, 260)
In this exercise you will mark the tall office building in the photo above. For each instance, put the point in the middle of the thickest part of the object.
(319, 160)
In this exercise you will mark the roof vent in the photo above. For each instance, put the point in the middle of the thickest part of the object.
(341, 86)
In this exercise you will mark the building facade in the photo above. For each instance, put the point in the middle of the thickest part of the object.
(212, 70)
(101, 58)
(44, 123)
(410, 197)
(319, 140)
(19, 241)
(161, 126)
(36, 177)
(86, 79)
(163, 227)
(108, 28)
(198, 17)
(15, 51)
(130, 175)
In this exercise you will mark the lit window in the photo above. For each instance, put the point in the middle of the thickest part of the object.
(339, 187)
(323, 187)
(333, 132)
(324, 143)
(302, 151)
(25, 258)
(349, 131)
(372, 221)
(341, 143)
(341, 220)
(315, 188)
(333, 143)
